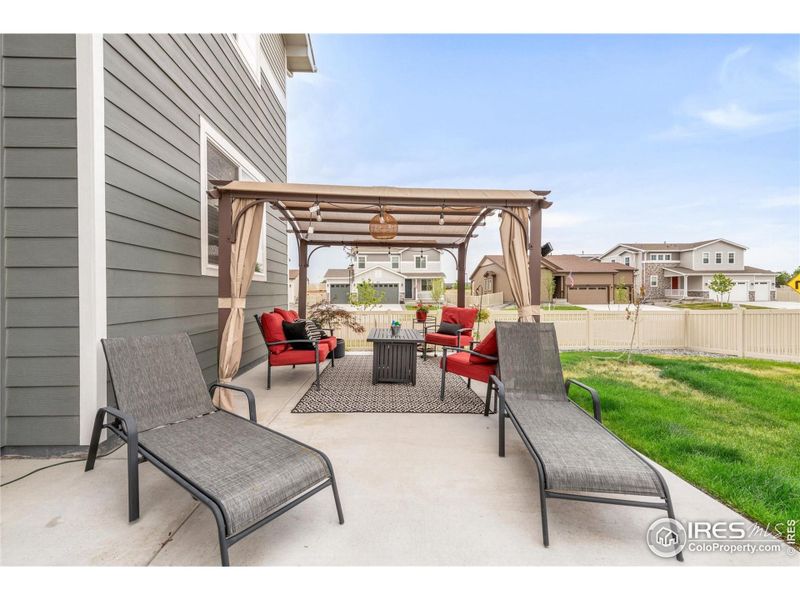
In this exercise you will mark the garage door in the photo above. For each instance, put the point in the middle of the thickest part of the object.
(588, 295)
(340, 293)
(738, 293)
(762, 290)
(390, 291)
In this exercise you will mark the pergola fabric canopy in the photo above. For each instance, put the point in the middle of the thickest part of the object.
(340, 214)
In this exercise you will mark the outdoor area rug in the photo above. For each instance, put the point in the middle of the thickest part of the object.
(347, 388)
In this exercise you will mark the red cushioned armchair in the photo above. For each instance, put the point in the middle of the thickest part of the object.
(464, 317)
(479, 363)
(279, 350)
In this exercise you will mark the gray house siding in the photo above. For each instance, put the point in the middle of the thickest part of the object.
(40, 370)
(156, 89)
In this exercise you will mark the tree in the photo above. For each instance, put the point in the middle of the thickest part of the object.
(721, 284)
(621, 294)
(327, 315)
(784, 278)
(632, 312)
(437, 290)
(549, 285)
(367, 297)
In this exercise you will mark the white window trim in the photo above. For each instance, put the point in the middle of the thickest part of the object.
(627, 260)
(391, 263)
(706, 259)
(208, 132)
(731, 258)
(718, 258)
(424, 260)
(254, 73)
(263, 69)
(358, 261)
(653, 280)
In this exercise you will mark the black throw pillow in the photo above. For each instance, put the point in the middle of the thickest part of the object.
(449, 328)
(297, 331)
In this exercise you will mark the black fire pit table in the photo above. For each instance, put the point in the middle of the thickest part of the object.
(394, 356)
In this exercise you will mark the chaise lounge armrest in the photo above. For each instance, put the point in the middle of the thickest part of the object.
(470, 351)
(592, 392)
(251, 399)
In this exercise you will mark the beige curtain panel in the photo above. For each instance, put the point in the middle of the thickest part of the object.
(244, 253)
(515, 254)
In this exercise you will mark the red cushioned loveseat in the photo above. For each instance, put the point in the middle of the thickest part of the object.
(279, 350)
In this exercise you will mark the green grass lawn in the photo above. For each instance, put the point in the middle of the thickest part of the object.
(729, 426)
(552, 307)
(716, 306)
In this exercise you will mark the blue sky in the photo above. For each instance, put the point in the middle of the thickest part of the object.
(640, 138)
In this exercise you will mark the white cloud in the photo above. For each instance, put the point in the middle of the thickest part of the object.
(733, 116)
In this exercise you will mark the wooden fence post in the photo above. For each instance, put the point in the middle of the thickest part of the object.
(588, 329)
(740, 324)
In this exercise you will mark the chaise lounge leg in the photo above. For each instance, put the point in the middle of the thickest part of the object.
(269, 375)
(671, 515)
(337, 500)
(95, 441)
(223, 542)
(488, 398)
(133, 476)
(501, 420)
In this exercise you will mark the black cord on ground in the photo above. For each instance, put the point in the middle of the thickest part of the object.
(63, 462)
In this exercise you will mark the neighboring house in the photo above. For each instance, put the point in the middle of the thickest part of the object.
(109, 142)
(403, 275)
(578, 280)
(684, 270)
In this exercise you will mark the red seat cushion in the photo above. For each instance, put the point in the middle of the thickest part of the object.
(458, 363)
(447, 340)
(288, 315)
(330, 342)
(295, 314)
(488, 346)
(299, 357)
(272, 324)
(463, 316)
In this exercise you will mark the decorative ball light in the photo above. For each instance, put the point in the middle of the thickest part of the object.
(383, 226)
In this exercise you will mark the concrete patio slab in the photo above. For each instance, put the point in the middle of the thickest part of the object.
(417, 489)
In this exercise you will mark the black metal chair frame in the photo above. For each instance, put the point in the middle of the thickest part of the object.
(504, 412)
(489, 384)
(425, 344)
(124, 426)
(281, 342)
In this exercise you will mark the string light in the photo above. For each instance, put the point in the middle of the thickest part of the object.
(310, 229)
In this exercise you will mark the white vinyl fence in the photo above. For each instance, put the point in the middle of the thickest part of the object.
(772, 334)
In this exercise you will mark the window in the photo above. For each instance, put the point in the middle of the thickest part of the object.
(361, 261)
(421, 262)
(219, 159)
(652, 257)
(668, 257)
(718, 258)
(395, 258)
(488, 284)
(731, 258)
(705, 258)
(653, 280)
(248, 45)
(613, 260)
(627, 261)
(426, 285)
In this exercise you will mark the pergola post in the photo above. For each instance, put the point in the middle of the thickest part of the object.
(302, 257)
(535, 257)
(224, 264)
(461, 295)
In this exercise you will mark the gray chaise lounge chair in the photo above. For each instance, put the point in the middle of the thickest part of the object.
(576, 457)
(245, 473)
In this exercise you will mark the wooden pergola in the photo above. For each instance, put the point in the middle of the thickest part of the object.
(334, 215)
